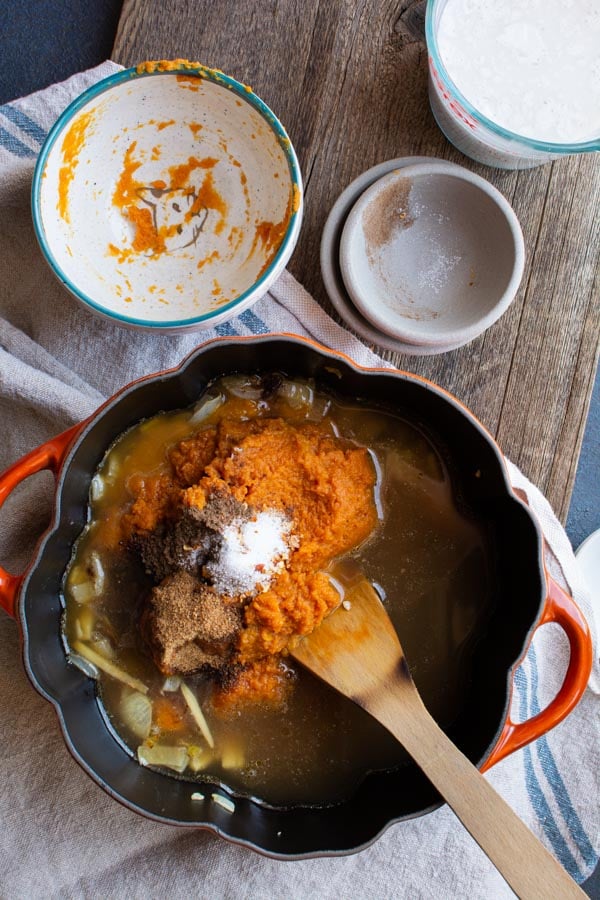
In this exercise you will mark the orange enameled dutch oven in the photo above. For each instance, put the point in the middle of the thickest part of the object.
(522, 597)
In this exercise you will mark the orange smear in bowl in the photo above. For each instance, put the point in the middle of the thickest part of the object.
(148, 238)
(71, 148)
(269, 235)
(127, 186)
(209, 197)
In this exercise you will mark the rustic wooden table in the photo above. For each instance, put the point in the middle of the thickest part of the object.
(348, 78)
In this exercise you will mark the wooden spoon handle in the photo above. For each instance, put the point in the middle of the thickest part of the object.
(531, 871)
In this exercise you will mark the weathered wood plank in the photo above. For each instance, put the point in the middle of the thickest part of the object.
(349, 80)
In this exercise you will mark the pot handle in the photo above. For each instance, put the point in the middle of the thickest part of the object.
(49, 456)
(562, 609)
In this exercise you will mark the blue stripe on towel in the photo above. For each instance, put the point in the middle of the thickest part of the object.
(22, 121)
(14, 145)
(555, 781)
(253, 323)
(536, 795)
(226, 330)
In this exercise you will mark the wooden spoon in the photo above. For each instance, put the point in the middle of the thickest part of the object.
(357, 652)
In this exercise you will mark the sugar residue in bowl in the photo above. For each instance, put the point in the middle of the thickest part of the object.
(388, 213)
(410, 256)
(433, 276)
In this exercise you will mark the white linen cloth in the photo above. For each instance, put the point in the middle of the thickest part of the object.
(60, 834)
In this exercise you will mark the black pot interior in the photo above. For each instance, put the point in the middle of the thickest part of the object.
(513, 606)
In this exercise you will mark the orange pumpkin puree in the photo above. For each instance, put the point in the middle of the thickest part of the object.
(180, 174)
(126, 197)
(146, 236)
(127, 186)
(325, 484)
(197, 70)
(71, 148)
(265, 681)
(270, 234)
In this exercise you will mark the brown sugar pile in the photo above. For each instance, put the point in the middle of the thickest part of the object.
(316, 485)
(188, 626)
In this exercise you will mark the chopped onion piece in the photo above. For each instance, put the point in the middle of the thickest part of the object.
(104, 647)
(197, 796)
(171, 683)
(319, 409)
(83, 665)
(225, 802)
(82, 592)
(111, 468)
(206, 408)
(109, 667)
(136, 713)
(175, 758)
(96, 487)
(246, 387)
(296, 395)
(97, 568)
(84, 624)
(78, 575)
(198, 715)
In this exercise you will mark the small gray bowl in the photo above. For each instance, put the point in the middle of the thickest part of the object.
(432, 255)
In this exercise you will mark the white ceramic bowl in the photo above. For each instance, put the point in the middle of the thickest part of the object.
(167, 197)
(330, 261)
(432, 254)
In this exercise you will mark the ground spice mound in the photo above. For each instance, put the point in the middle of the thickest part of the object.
(188, 626)
(319, 482)
(170, 547)
(185, 539)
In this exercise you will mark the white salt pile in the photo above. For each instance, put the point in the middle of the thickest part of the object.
(250, 553)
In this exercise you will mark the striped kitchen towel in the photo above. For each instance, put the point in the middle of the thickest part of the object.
(61, 836)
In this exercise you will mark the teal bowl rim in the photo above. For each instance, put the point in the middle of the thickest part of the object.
(122, 77)
(433, 9)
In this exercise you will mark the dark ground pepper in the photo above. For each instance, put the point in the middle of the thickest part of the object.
(185, 543)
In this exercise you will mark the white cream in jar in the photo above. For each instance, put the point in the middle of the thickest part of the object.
(531, 67)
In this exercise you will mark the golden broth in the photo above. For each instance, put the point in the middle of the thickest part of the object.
(427, 557)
